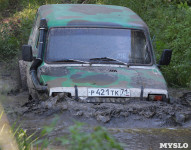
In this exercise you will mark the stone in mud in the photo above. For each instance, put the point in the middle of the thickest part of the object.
(61, 97)
(149, 114)
(130, 109)
(180, 118)
(63, 106)
(79, 113)
(103, 119)
(46, 105)
(52, 101)
(170, 121)
(124, 114)
(187, 98)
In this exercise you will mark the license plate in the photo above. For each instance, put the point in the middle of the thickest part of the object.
(107, 92)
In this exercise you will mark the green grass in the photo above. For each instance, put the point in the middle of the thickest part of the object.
(99, 138)
(15, 136)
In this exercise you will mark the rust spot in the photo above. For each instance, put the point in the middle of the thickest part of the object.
(93, 10)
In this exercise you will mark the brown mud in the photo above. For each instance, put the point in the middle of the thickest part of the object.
(133, 124)
(138, 124)
(132, 114)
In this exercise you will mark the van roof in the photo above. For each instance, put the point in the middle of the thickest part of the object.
(90, 15)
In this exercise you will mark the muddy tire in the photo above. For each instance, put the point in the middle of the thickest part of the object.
(33, 93)
(23, 74)
(26, 82)
(31, 89)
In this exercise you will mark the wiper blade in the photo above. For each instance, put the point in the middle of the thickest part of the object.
(72, 60)
(108, 59)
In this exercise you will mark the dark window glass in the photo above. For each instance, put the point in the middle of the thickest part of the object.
(126, 45)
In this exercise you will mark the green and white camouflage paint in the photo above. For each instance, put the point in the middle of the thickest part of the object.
(63, 77)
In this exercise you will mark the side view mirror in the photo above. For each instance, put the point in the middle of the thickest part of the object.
(165, 57)
(27, 53)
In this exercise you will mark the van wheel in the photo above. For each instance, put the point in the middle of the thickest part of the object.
(31, 89)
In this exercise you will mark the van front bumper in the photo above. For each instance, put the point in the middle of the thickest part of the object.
(82, 92)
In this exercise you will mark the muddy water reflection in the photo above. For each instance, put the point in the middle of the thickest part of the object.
(150, 139)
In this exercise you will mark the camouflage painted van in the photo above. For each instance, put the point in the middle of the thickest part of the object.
(94, 53)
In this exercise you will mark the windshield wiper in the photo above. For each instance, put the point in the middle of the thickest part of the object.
(72, 60)
(108, 59)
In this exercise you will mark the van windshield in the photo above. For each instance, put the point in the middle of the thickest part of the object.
(86, 44)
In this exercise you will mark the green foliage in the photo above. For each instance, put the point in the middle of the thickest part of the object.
(183, 5)
(24, 141)
(77, 139)
(98, 139)
(4, 4)
(16, 30)
(8, 43)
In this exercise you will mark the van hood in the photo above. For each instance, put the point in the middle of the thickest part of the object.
(101, 77)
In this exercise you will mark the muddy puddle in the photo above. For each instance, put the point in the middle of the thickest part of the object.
(138, 124)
